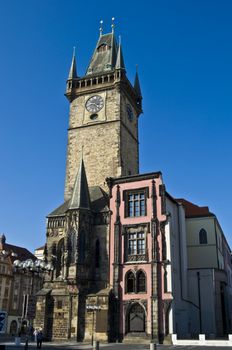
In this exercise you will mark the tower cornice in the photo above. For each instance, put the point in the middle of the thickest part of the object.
(100, 82)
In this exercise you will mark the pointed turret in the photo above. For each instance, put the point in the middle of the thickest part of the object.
(137, 85)
(80, 197)
(120, 61)
(138, 90)
(73, 70)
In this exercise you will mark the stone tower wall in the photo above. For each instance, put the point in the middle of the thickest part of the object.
(109, 143)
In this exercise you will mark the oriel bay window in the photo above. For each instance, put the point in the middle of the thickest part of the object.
(135, 242)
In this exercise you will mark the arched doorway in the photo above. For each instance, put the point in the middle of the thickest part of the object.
(136, 319)
(13, 328)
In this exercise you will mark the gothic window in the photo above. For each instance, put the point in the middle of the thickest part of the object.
(141, 282)
(130, 282)
(82, 247)
(60, 258)
(165, 281)
(136, 243)
(164, 247)
(72, 246)
(59, 304)
(97, 253)
(203, 236)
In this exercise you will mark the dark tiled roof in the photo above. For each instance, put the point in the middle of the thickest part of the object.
(20, 252)
(61, 210)
(193, 210)
(103, 61)
(98, 198)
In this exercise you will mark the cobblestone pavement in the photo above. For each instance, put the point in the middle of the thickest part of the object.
(80, 346)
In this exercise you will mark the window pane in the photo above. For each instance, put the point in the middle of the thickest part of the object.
(136, 204)
(132, 247)
(141, 246)
(140, 234)
(203, 236)
(141, 282)
(142, 208)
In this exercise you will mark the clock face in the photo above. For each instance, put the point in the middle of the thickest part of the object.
(94, 104)
(130, 114)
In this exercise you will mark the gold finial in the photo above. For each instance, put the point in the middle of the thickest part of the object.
(101, 29)
(113, 25)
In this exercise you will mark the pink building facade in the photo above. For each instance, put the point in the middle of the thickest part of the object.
(138, 255)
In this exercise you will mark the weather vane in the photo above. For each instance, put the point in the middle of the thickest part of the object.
(113, 25)
(101, 29)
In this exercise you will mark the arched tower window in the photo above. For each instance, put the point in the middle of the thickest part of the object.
(81, 247)
(60, 258)
(130, 282)
(203, 236)
(97, 253)
(72, 246)
(141, 282)
(165, 280)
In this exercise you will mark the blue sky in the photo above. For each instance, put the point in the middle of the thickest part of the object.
(183, 49)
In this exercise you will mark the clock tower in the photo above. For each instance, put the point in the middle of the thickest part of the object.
(102, 143)
(103, 122)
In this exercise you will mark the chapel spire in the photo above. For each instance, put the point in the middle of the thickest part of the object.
(120, 61)
(80, 197)
(138, 89)
(73, 70)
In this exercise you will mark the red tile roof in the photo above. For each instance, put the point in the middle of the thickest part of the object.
(193, 210)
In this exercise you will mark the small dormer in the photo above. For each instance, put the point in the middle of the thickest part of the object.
(103, 47)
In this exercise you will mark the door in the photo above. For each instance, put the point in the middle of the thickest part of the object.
(136, 319)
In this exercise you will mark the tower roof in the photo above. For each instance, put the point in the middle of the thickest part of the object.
(120, 61)
(73, 70)
(80, 196)
(104, 56)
